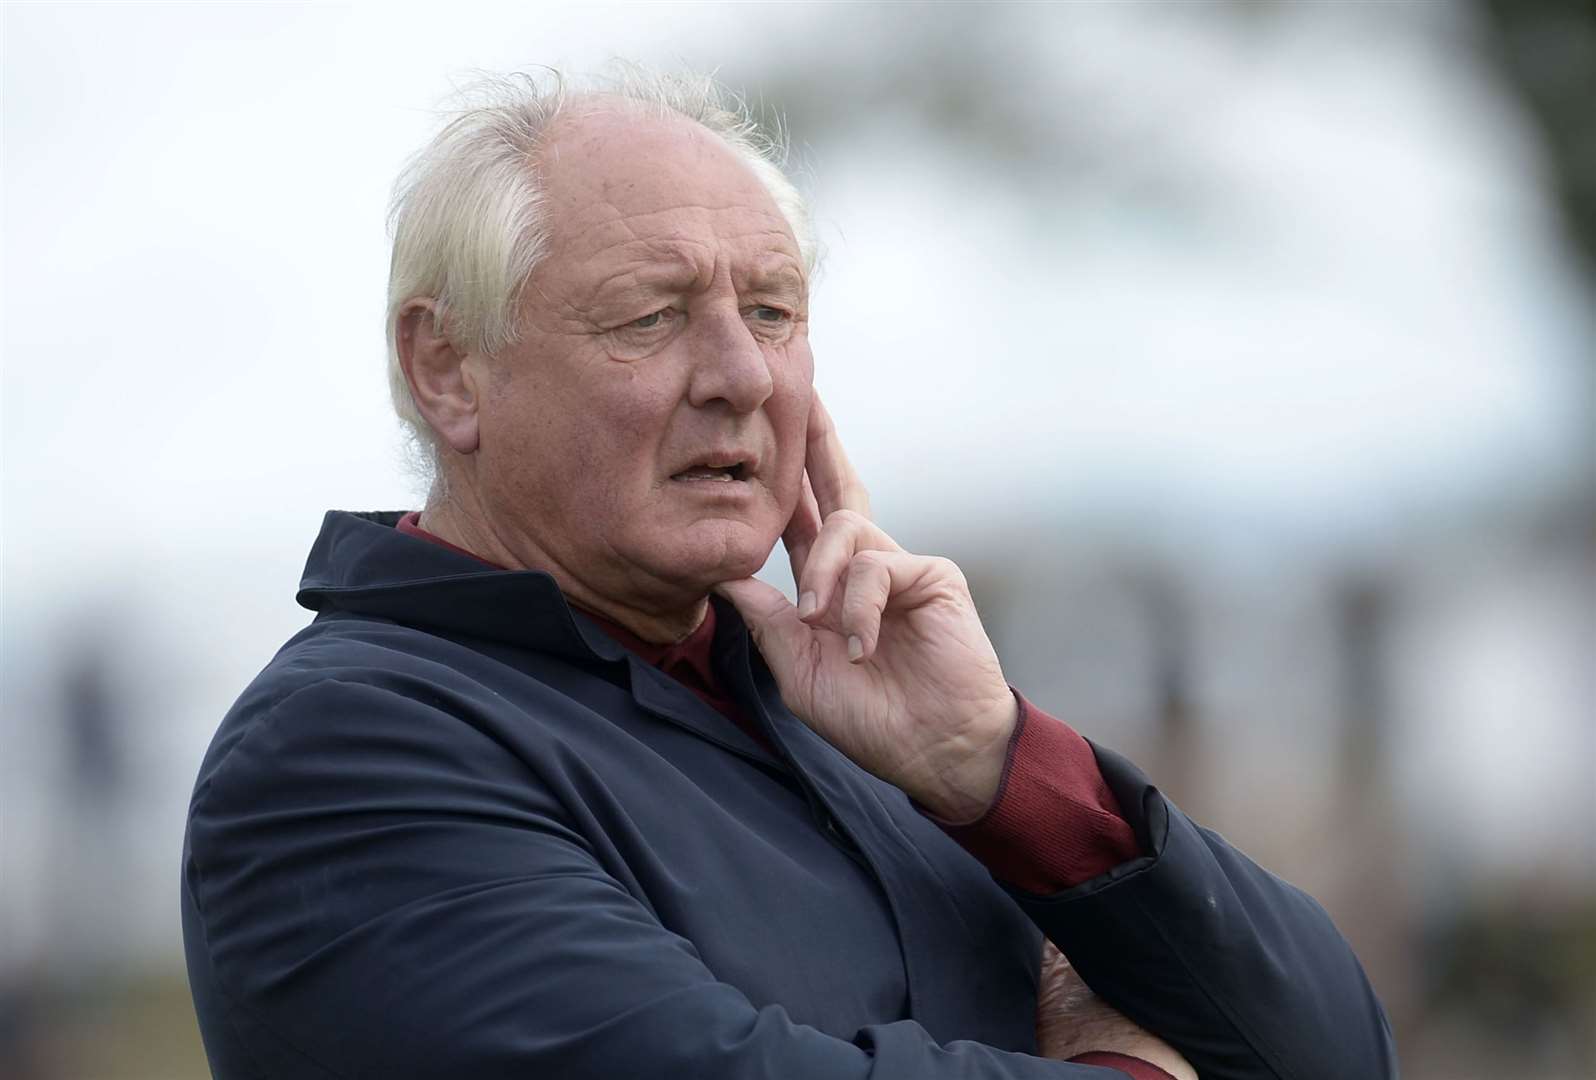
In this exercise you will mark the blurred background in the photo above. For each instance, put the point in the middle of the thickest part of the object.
(1244, 354)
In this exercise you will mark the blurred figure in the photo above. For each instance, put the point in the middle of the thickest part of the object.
(91, 861)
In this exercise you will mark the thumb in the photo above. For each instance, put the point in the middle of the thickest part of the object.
(771, 618)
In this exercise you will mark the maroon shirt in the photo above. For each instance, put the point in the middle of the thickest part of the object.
(1053, 824)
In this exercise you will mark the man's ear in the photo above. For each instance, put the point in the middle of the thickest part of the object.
(444, 390)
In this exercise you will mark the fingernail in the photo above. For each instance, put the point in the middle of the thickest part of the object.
(807, 605)
(855, 648)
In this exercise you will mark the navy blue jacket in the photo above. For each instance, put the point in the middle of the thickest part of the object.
(454, 830)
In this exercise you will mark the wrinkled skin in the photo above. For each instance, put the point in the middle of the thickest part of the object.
(1071, 1020)
(665, 327)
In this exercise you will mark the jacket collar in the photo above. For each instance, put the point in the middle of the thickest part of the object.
(361, 564)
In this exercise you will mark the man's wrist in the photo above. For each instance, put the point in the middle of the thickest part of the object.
(963, 791)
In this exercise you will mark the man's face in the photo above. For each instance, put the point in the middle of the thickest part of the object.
(647, 433)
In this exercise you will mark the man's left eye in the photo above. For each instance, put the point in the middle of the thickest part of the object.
(768, 314)
(651, 320)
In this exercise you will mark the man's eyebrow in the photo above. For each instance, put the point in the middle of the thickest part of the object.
(661, 269)
(776, 275)
(673, 267)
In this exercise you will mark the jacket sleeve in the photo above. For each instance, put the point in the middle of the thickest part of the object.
(375, 888)
(1240, 971)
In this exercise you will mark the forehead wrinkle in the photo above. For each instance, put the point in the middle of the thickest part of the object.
(653, 264)
(611, 217)
(609, 250)
(770, 267)
(683, 263)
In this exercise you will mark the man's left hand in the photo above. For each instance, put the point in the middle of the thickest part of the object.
(884, 655)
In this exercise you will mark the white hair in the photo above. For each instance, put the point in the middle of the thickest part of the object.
(468, 219)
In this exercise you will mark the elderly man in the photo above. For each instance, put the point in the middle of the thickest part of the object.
(551, 787)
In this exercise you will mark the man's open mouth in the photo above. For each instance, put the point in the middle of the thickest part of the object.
(714, 473)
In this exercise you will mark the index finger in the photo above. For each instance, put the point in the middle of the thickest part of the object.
(837, 486)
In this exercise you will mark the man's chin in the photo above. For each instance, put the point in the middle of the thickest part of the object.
(726, 552)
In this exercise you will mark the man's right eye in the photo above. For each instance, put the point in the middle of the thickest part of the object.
(650, 320)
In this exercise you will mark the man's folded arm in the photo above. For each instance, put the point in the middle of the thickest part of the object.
(382, 890)
(1240, 971)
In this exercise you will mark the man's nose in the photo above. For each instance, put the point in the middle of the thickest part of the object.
(728, 364)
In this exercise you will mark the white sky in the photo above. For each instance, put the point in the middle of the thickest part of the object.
(195, 262)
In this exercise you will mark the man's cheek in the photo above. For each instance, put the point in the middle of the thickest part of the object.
(794, 432)
(797, 389)
(792, 479)
(800, 361)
